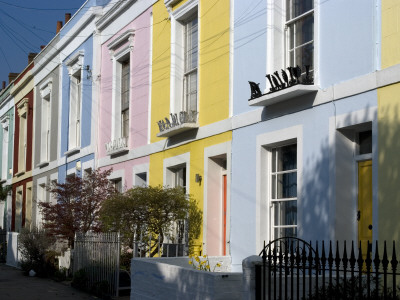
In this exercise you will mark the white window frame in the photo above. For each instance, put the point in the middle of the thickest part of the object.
(273, 198)
(264, 143)
(140, 169)
(171, 165)
(179, 18)
(289, 23)
(75, 68)
(118, 175)
(120, 51)
(46, 100)
(22, 109)
(4, 166)
(276, 39)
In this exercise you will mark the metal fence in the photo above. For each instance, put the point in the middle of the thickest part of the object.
(98, 255)
(294, 269)
(3, 245)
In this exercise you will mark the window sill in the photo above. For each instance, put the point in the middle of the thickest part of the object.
(72, 151)
(117, 151)
(43, 164)
(178, 129)
(20, 173)
(283, 95)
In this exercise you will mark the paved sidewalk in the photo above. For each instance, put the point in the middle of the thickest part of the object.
(15, 286)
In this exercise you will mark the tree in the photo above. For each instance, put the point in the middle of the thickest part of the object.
(151, 211)
(78, 204)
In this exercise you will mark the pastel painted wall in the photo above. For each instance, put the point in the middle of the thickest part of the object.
(390, 33)
(70, 167)
(139, 89)
(346, 44)
(389, 162)
(389, 129)
(213, 64)
(86, 107)
(347, 39)
(126, 169)
(161, 68)
(319, 206)
(250, 55)
(8, 141)
(196, 163)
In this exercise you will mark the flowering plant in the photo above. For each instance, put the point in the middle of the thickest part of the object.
(202, 263)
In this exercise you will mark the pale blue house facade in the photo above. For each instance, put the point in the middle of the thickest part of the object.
(296, 150)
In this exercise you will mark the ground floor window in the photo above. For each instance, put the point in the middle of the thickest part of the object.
(283, 197)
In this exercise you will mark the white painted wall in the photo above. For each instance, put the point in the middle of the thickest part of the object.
(157, 278)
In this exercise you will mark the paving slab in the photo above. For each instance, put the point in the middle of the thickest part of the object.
(14, 285)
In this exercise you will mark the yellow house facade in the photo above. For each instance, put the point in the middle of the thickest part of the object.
(389, 126)
(190, 109)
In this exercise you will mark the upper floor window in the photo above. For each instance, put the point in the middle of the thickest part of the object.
(75, 110)
(120, 52)
(75, 66)
(4, 165)
(191, 64)
(299, 29)
(45, 122)
(125, 84)
(22, 108)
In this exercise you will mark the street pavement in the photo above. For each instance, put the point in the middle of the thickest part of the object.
(15, 286)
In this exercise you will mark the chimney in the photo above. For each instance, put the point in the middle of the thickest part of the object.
(12, 76)
(59, 26)
(3, 85)
(67, 17)
(42, 47)
(31, 56)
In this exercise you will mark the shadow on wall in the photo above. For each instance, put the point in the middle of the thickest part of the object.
(389, 172)
(328, 198)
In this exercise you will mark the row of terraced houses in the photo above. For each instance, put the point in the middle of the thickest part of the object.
(159, 92)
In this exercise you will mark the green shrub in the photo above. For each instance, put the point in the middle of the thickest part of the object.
(80, 280)
(37, 251)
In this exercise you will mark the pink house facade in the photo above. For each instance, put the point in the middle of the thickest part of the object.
(124, 93)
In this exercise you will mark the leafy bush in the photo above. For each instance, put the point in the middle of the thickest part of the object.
(37, 249)
(80, 280)
(3, 252)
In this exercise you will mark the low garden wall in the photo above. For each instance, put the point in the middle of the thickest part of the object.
(174, 278)
(13, 255)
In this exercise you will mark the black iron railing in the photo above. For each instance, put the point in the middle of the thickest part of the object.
(294, 269)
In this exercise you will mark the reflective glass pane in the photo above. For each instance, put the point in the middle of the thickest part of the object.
(285, 232)
(287, 185)
(304, 30)
(285, 212)
(287, 158)
(273, 187)
(305, 56)
(295, 8)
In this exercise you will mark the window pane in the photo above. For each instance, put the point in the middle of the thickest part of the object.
(287, 185)
(125, 123)
(285, 213)
(191, 45)
(285, 232)
(304, 30)
(287, 158)
(125, 74)
(365, 142)
(295, 8)
(273, 187)
(191, 88)
(305, 56)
